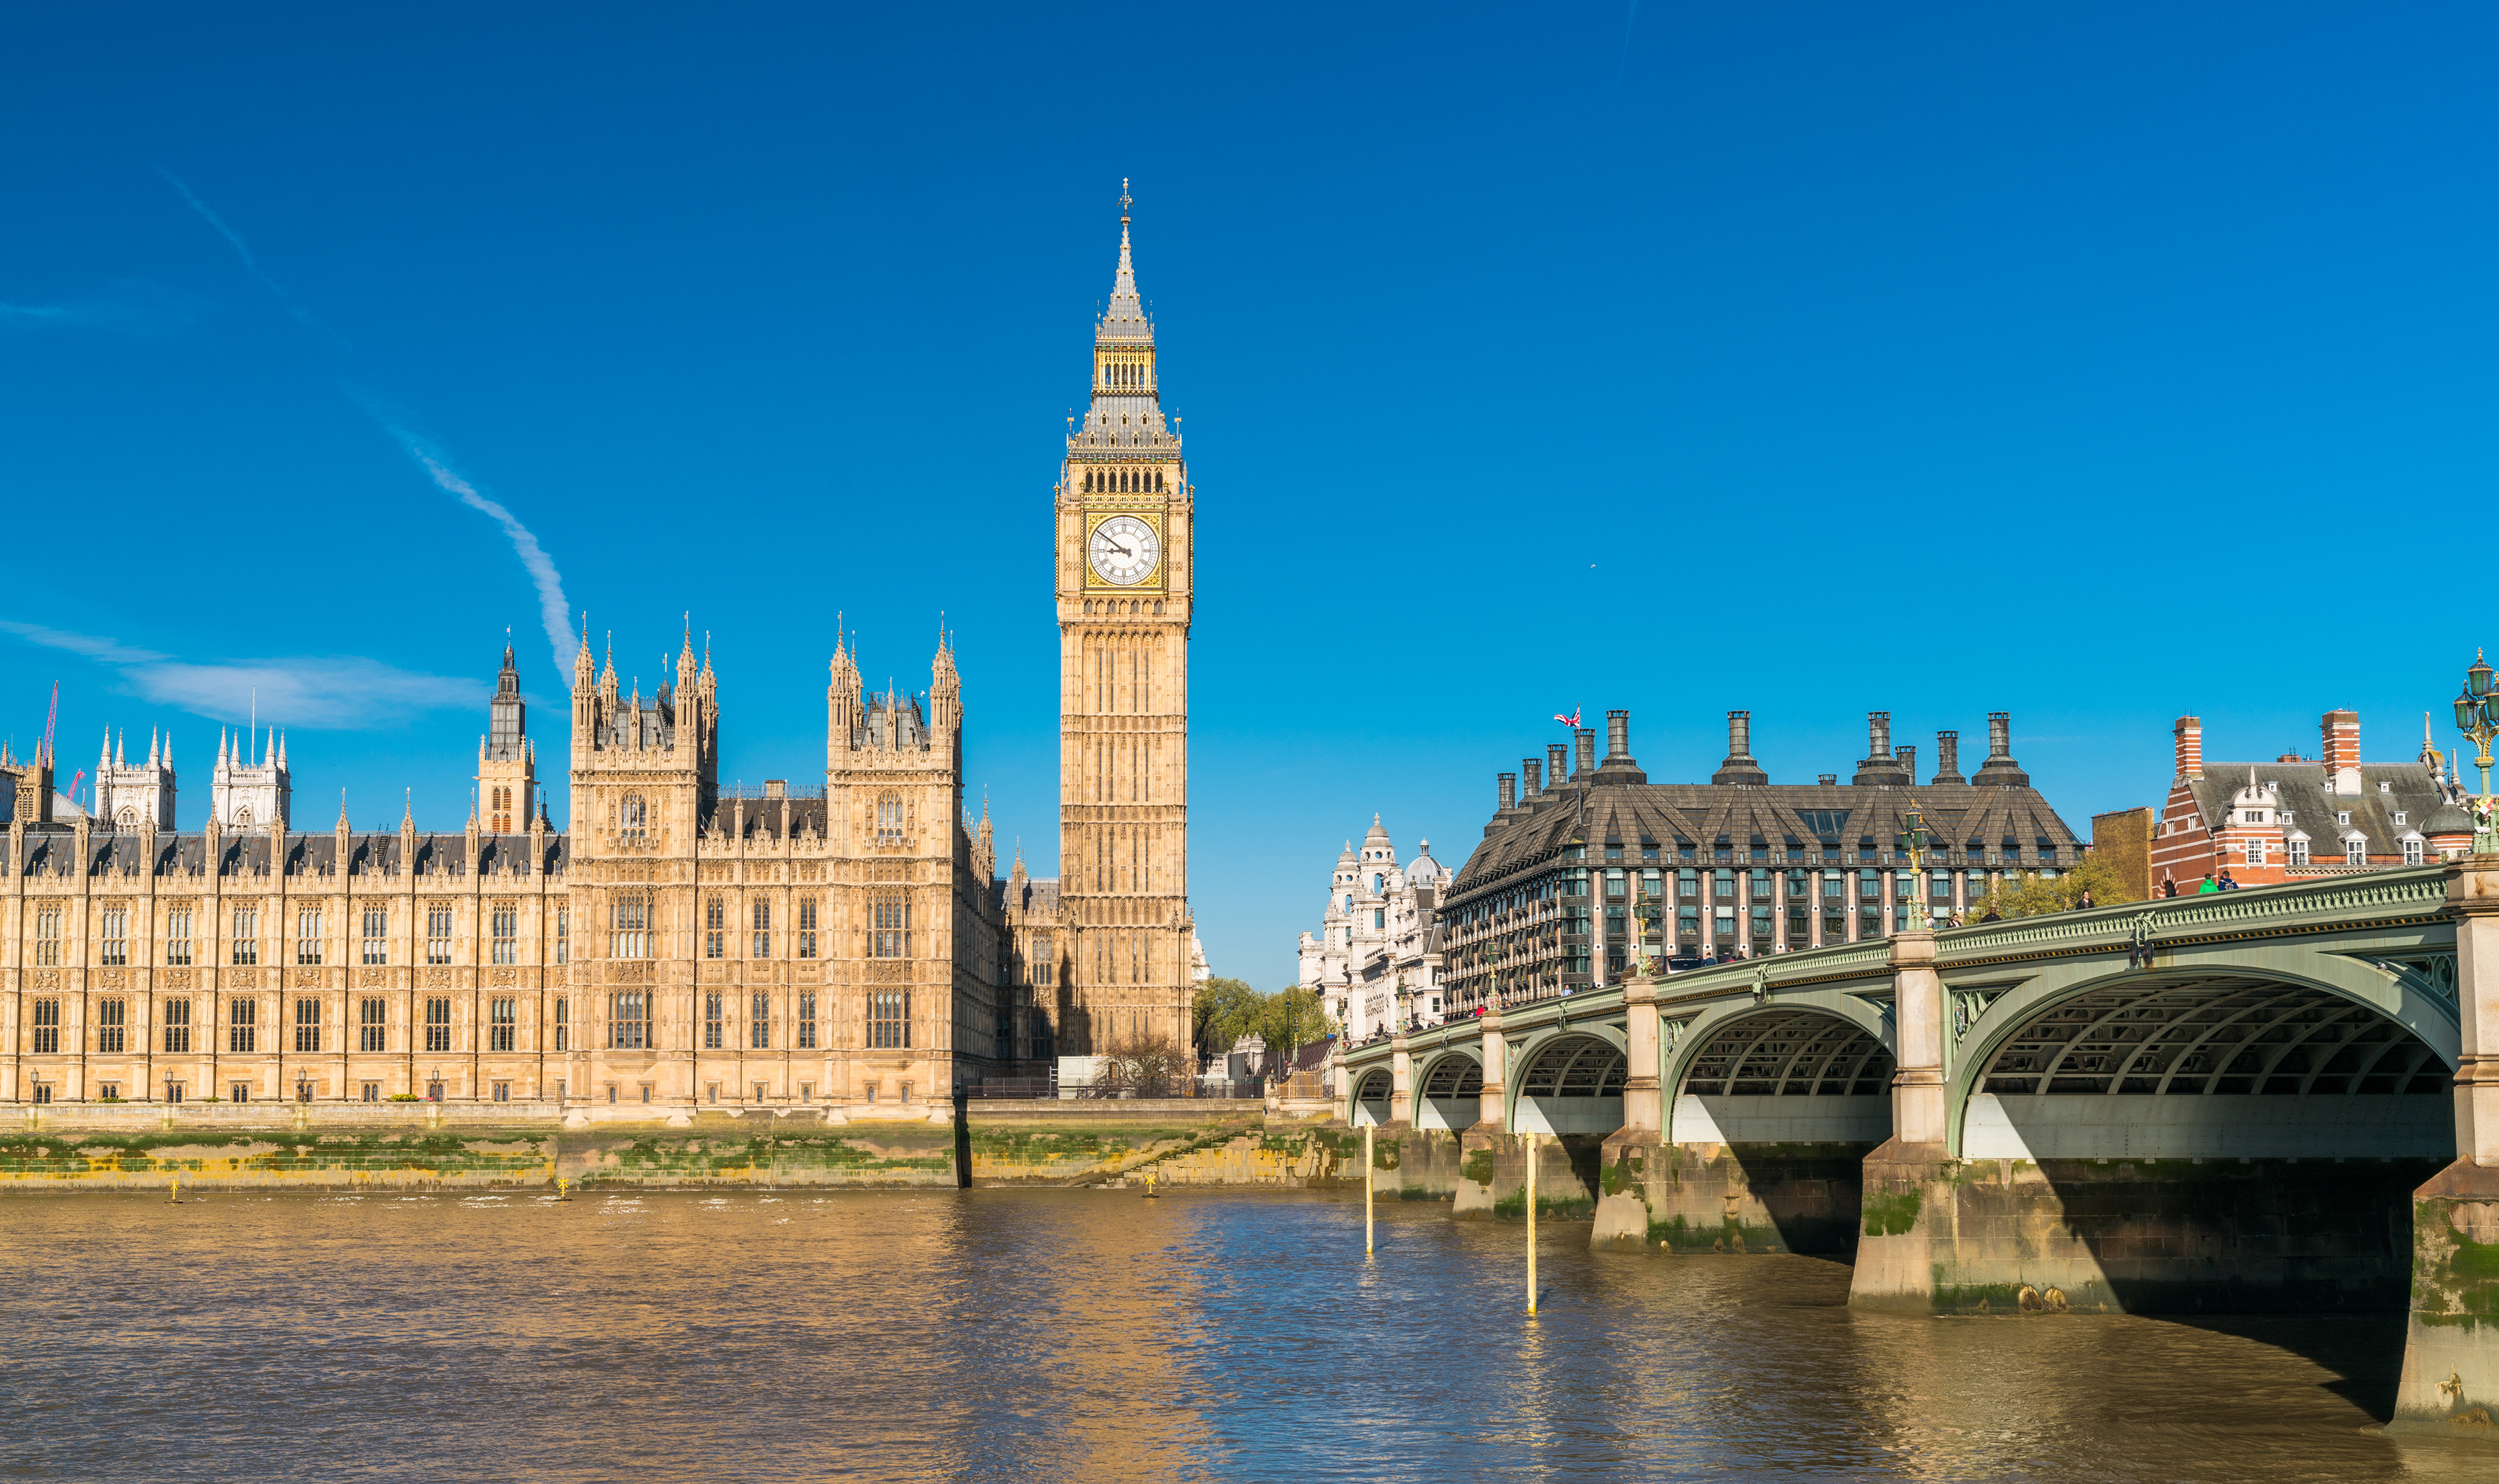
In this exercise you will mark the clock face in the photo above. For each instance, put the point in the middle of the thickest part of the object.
(1124, 549)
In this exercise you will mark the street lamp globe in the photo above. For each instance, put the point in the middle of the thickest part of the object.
(2468, 712)
(2480, 680)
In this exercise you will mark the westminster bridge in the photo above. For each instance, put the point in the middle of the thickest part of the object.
(2277, 1098)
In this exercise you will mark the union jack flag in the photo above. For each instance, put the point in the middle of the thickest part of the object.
(1573, 720)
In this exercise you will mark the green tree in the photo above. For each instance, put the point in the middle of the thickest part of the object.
(1294, 1017)
(1224, 1011)
(2030, 895)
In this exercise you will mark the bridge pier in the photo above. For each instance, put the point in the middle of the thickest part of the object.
(1631, 1154)
(2450, 1377)
(1481, 1144)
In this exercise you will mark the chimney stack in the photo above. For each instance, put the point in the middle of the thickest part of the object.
(2190, 735)
(1826, 780)
(1948, 757)
(1532, 770)
(1557, 764)
(1739, 767)
(1508, 790)
(1586, 738)
(1999, 769)
(1879, 766)
(1909, 762)
(2342, 732)
(1618, 736)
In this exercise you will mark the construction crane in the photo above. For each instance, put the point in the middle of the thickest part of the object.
(72, 792)
(44, 754)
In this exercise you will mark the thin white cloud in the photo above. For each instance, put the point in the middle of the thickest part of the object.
(555, 613)
(342, 692)
(125, 306)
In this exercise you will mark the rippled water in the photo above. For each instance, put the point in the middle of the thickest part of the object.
(1083, 1335)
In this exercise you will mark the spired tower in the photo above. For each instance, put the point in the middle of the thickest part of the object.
(129, 796)
(244, 796)
(1124, 569)
(507, 762)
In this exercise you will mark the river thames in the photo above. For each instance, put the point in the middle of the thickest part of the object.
(1086, 1335)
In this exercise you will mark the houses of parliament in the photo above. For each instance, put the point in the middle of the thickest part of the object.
(673, 944)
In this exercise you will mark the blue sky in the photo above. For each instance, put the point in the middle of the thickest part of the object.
(2097, 363)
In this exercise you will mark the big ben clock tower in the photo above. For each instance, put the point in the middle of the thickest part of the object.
(1126, 554)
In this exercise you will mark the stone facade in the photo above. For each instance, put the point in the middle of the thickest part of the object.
(1377, 956)
(1127, 559)
(676, 946)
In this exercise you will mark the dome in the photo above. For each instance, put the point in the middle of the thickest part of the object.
(1423, 868)
(1346, 858)
(1378, 833)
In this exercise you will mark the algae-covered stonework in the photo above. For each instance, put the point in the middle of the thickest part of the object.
(426, 1147)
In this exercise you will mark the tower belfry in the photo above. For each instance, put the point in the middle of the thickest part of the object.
(507, 762)
(1124, 585)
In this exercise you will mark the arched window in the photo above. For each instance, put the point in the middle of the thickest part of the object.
(629, 927)
(889, 819)
(1378, 884)
(632, 817)
(242, 818)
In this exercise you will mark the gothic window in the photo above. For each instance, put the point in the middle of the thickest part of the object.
(372, 1024)
(713, 1035)
(807, 1021)
(503, 1024)
(115, 945)
(629, 927)
(437, 1025)
(1042, 959)
(127, 818)
(563, 1027)
(307, 1024)
(247, 935)
(178, 1025)
(629, 1025)
(47, 1027)
(111, 1026)
(635, 819)
(889, 1019)
(177, 936)
(48, 936)
(807, 927)
(242, 818)
(507, 933)
(759, 1023)
(564, 935)
(243, 1029)
(889, 819)
(762, 930)
(438, 935)
(715, 938)
(308, 935)
(889, 935)
(376, 935)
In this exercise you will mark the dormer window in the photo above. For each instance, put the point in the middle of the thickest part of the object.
(2383, 787)
(2399, 817)
(2412, 850)
(2356, 850)
(2341, 816)
(2300, 849)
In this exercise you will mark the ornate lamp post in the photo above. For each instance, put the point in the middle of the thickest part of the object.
(2477, 716)
(1912, 842)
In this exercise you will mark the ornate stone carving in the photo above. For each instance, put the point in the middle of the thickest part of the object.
(176, 978)
(375, 979)
(505, 977)
(243, 979)
(109, 978)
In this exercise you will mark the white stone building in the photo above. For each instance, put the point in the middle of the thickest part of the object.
(1379, 943)
(129, 795)
(248, 795)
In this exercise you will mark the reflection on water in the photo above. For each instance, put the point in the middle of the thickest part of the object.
(1084, 1335)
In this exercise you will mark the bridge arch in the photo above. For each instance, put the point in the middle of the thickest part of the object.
(1370, 1098)
(1569, 1081)
(2233, 1050)
(1448, 1090)
(1781, 1074)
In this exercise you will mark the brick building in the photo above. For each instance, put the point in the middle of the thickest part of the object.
(2295, 818)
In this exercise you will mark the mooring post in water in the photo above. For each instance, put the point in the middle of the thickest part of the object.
(1531, 1224)
(175, 1199)
(1366, 1190)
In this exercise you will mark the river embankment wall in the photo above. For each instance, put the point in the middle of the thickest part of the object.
(431, 1146)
